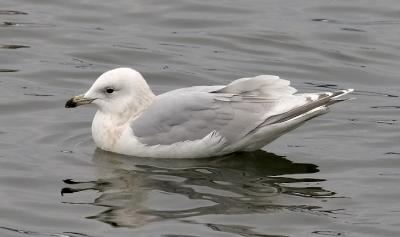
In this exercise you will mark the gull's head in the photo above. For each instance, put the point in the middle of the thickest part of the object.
(121, 90)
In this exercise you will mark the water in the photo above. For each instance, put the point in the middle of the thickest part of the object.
(335, 176)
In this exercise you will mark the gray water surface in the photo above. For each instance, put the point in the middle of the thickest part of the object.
(338, 175)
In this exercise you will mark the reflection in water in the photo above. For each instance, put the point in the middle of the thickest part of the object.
(136, 191)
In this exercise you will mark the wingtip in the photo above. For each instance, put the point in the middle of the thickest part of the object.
(343, 92)
(346, 91)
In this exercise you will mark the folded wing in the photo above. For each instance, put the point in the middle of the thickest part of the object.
(231, 112)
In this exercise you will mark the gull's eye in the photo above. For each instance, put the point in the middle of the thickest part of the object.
(109, 90)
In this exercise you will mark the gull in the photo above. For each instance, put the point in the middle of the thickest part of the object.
(199, 121)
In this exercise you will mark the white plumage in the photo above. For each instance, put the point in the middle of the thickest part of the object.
(195, 122)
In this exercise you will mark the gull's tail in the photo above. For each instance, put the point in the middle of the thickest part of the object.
(314, 101)
(336, 99)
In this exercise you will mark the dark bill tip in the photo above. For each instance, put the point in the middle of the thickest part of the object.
(71, 103)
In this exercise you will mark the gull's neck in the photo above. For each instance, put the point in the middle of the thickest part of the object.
(107, 127)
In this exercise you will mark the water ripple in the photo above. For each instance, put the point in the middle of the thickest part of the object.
(11, 12)
(8, 70)
(24, 24)
(13, 46)
(34, 233)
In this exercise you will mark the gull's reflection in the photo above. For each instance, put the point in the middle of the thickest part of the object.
(136, 191)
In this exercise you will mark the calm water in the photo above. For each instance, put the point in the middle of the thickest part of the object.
(338, 175)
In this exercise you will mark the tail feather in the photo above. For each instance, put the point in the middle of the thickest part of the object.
(341, 93)
(335, 99)
(314, 105)
(324, 99)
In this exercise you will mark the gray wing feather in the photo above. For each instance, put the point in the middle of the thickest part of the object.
(263, 85)
(232, 111)
(190, 114)
(177, 117)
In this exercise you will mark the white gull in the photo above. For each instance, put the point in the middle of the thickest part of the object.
(195, 122)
